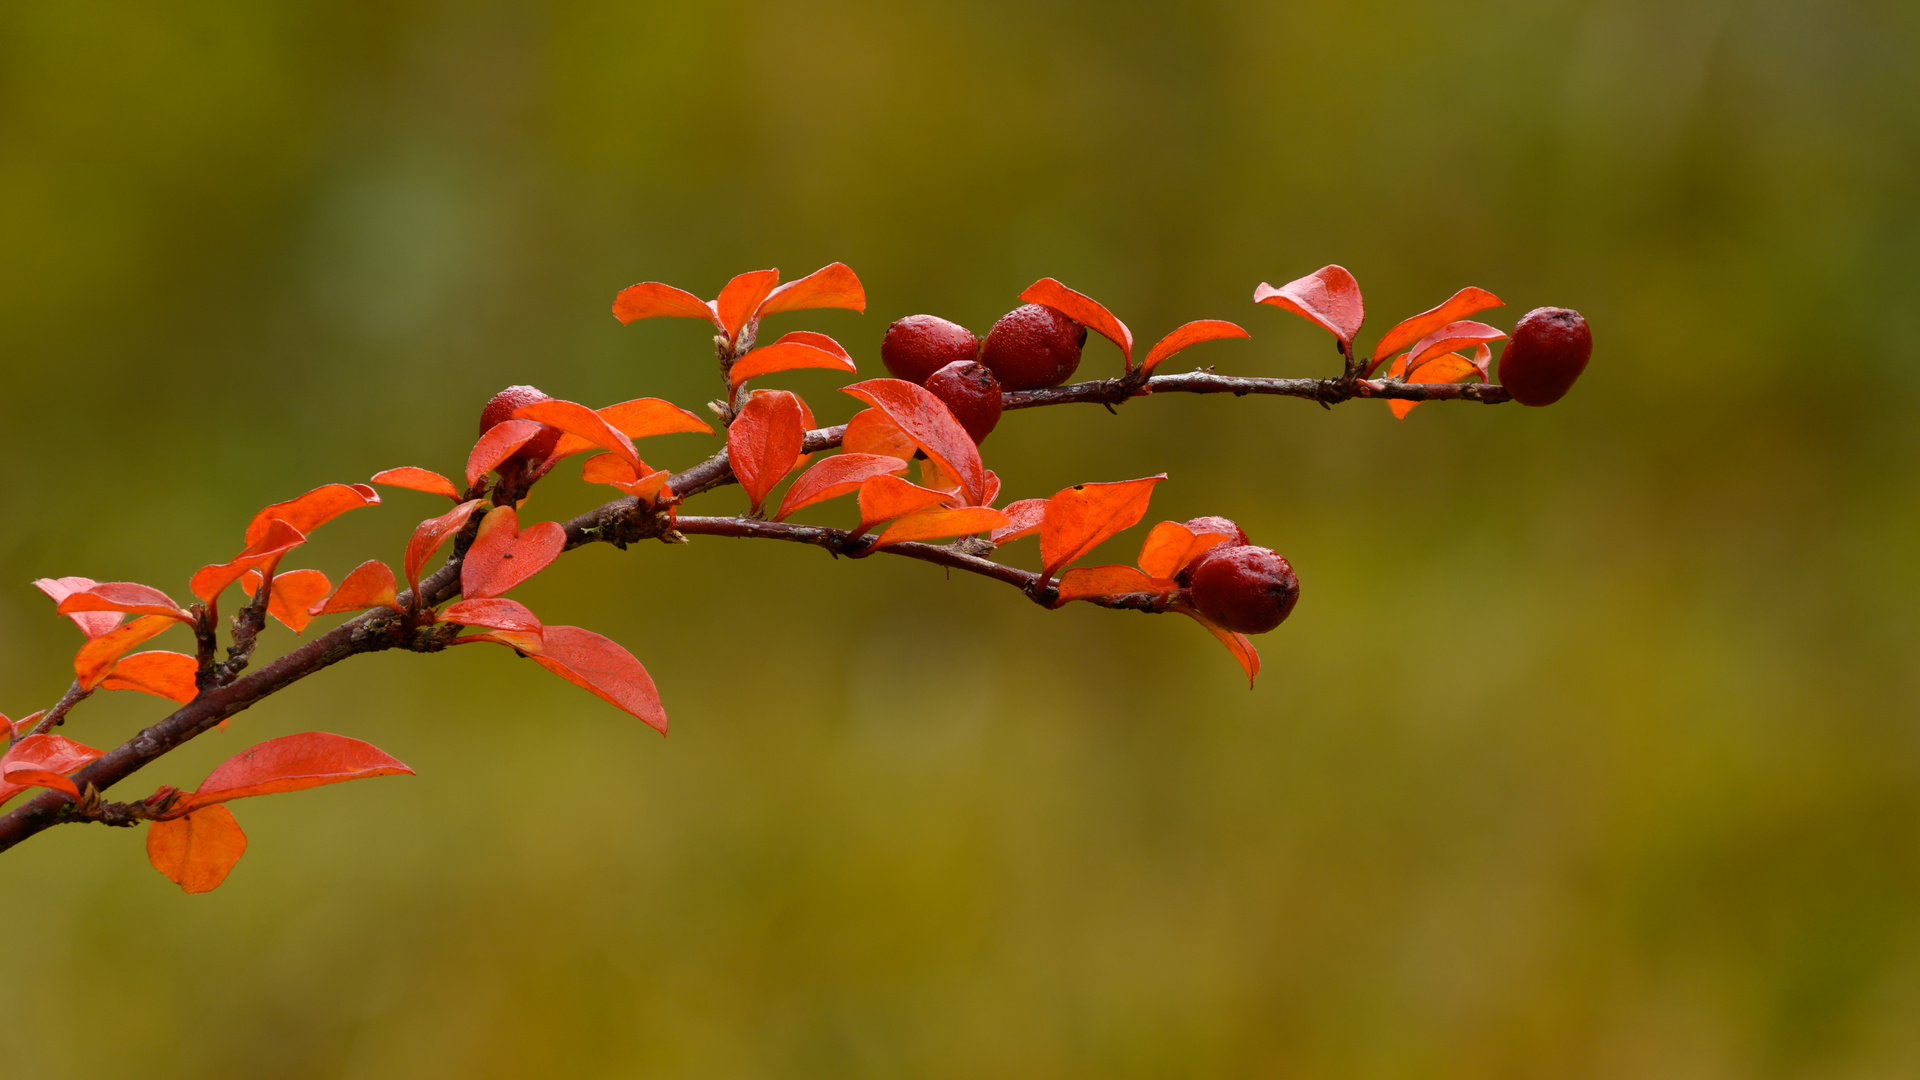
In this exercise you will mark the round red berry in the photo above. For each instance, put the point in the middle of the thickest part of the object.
(919, 345)
(1033, 346)
(500, 408)
(1547, 352)
(1247, 589)
(972, 394)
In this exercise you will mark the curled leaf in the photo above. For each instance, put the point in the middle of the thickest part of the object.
(609, 469)
(312, 510)
(43, 761)
(1023, 519)
(1446, 339)
(163, 674)
(97, 657)
(1080, 517)
(883, 498)
(1105, 582)
(836, 476)
(1084, 310)
(371, 584)
(930, 424)
(604, 669)
(1458, 306)
(1237, 644)
(940, 523)
(292, 763)
(1191, 334)
(831, 286)
(650, 298)
(91, 623)
(196, 851)
(1328, 297)
(576, 419)
(1170, 546)
(636, 419)
(123, 596)
(431, 533)
(414, 479)
(764, 442)
(1450, 368)
(500, 442)
(493, 614)
(800, 349)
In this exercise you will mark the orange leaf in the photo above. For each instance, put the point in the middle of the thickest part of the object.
(930, 424)
(414, 479)
(1080, 517)
(883, 498)
(764, 442)
(609, 469)
(1023, 519)
(741, 297)
(293, 596)
(1170, 546)
(263, 554)
(1191, 334)
(836, 476)
(370, 584)
(500, 442)
(43, 761)
(312, 510)
(636, 419)
(493, 614)
(1084, 310)
(196, 851)
(1239, 645)
(1458, 306)
(125, 596)
(1447, 339)
(163, 674)
(1451, 368)
(604, 669)
(502, 556)
(433, 532)
(874, 432)
(1098, 582)
(1328, 297)
(938, 523)
(577, 419)
(650, 298)
(800, 349)
(292, 763)
(831, 286)
(91, 623)
(96, 658)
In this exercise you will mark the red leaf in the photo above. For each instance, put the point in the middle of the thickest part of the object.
(1458, 306)
(502, 556)
(96, 658)
(500, 442)
(1451, 368)
(1191, 334)
(312, 510)
(577, 419)
(125, 596)
(1447, 339)
(418, 480)
(43, 761)
(1080, 517)
(636, 419)
(91, 623)
(939, 523)
(764, 442)
(293, 596)
(883, 498)
(930, 424)
(874, 432)
(370, 584)
(263, 555)
(650, 298)
(292, 763)
(1100, 582)
(433, 532)
(604, 669)
(836, 476)
(831, 286)
(1084, 310)
(196, 851)
(800, 349)
(609, 469)
(163, 674)
(1023, 519)
(1328, 297)
(741, 297)
(1171, 546)
(493, 614)
(1239, 645)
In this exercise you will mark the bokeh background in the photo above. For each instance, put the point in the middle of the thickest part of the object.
(1590, 752)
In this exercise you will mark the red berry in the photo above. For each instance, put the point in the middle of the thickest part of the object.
(500, 408)
(1033, 346)
(971, 393)
(1246, 589)
(1213, 524)
(1548, 350)
(919, 345)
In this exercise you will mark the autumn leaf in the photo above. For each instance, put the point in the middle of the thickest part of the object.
(43, 761)
(939, 523)
(1080, 517)
(1328, 297)
(97, 657)
(603, 668)
(636, 419)
(1458, 306)
(418, 480)
(1023, 519)
(1450, 368)
(1104, 582)
(1084, 310)
(1170, 546)
(197, 851)
(263, 554)
(831, 286)
(293, 595)
(872, 431)
(1191, 334)
(833, 477)
(91, 623)
(800, 349)
(371, 584)
(507, 623)
(1239, 645)
(312, 510)
(502, 556)
(163, 674)
(650, 298)
(883, 498)
(609, 469)
(501, 442)
(576, 419)
(433, 532)
(930, 424)
(1449, 338)
(291, 763)
(764, 442)
(124, 596)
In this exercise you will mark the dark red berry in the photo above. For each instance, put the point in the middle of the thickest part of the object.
(971, 393)
(919, 345)
(1548, 350)
(1214, 524)
(1033, 346)
(501, 407)
(1244, 588)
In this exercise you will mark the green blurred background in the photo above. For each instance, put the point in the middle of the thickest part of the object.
(1591, 751)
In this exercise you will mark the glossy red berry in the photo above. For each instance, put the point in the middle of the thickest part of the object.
(500, 408)
(1033, 346)
(971, 393)
(1215, 524)
(1547, 352)
(919, 345)
(1244, 588)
